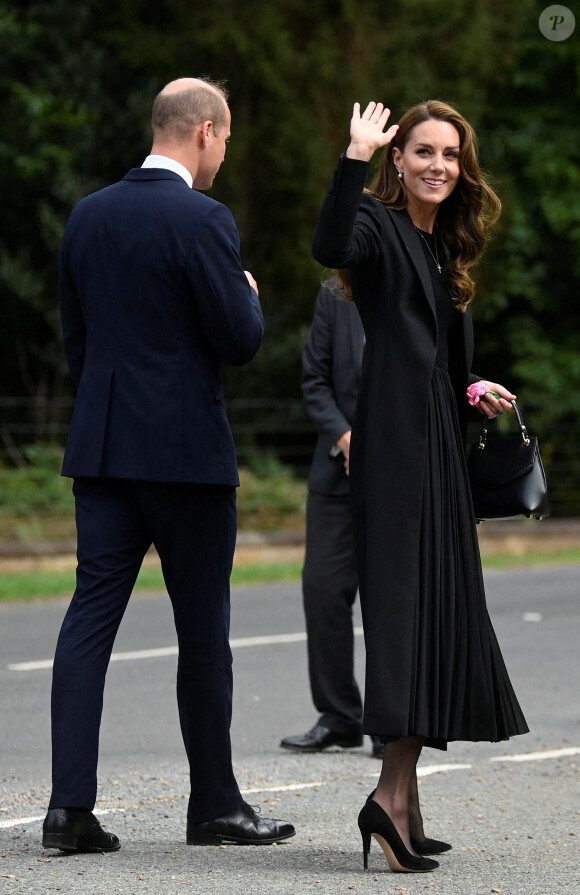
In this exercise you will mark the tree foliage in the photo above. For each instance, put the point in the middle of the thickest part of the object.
(77, 83)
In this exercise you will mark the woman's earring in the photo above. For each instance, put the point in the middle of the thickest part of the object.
(399, 174)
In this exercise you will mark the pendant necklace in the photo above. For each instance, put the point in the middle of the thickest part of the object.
(434, 256)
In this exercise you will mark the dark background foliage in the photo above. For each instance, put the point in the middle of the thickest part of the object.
(77, 81)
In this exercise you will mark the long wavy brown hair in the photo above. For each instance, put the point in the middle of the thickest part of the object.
(464, 219)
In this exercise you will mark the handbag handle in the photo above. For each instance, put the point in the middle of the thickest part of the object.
(523, 430)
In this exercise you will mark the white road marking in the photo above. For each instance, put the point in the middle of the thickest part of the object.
(422, 771)
(23, 821)
(428, 769)
(19, 822)
(532, 617)
(159, 652)
(286, 787)
(539, 756)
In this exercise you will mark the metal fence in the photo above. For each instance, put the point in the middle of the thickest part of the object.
(277, 428)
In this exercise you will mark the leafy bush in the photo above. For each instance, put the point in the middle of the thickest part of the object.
(36, 501)
(37, 487)
(271, 496)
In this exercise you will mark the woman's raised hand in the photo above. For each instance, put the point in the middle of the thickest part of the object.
(367, 131)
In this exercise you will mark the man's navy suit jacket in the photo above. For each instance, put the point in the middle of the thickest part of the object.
(153, 299)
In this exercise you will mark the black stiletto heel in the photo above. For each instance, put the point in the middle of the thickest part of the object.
(373, 821)
(366, 844)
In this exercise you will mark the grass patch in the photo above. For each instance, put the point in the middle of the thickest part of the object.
(267, 572)
(34, 585)
(552, 557)
(20, 586)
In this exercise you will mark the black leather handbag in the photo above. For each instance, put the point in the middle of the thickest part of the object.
(507, 475)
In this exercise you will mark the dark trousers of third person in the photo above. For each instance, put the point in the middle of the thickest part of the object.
(330, 584)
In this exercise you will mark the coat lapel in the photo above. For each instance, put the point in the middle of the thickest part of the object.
(410, 239)
(357, 337)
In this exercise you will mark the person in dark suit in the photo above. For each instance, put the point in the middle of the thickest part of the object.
(404, 249)
(153, 299)
(331, 366)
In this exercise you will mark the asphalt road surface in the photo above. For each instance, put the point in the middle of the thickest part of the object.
(511, 809)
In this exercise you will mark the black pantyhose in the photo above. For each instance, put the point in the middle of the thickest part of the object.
(397, 791)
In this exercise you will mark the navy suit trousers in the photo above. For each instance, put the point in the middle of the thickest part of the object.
(193, 528)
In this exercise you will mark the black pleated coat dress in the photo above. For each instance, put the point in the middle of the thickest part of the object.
(433, 665)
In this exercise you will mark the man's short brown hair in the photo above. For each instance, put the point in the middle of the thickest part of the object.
(176, 112)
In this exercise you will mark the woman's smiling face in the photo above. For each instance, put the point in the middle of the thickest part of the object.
(429, 163)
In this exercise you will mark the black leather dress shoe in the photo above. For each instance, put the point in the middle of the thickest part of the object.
(320, 738)
(240, 827)
(75, 829)
(378, 748)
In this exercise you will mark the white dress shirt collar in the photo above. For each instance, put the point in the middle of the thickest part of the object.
(163, 161)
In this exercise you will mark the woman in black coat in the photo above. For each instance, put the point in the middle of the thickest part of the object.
(404, 249)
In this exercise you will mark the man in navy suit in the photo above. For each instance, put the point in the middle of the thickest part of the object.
(331, 372)
(153, 299)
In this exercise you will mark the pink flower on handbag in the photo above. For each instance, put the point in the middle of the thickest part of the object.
(475, 391)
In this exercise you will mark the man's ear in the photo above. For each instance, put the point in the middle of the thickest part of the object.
(206, 129)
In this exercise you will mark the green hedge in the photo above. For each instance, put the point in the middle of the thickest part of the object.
(36, 502)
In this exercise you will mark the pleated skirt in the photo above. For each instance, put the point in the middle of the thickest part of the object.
(460, 688)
